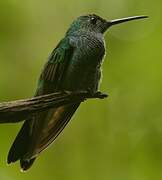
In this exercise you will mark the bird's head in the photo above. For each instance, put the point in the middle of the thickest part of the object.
(94, 23)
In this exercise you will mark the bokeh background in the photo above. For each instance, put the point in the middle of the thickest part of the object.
(118, 138)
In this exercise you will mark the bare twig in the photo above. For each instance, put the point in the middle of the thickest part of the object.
(16, 111)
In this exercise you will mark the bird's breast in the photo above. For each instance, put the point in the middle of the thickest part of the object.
(90, 49)
(84, 69)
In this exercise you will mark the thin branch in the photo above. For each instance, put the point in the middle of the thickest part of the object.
(16, 111)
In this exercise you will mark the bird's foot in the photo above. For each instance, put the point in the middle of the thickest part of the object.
(101, 95)
(97, 94)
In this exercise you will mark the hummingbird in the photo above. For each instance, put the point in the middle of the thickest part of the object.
(75, 64)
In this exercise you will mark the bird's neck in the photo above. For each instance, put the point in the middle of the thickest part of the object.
(83, 32)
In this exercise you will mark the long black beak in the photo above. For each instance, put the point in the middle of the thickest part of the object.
(122, 20)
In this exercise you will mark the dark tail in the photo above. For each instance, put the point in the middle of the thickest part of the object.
(20, 146)
(24, 139)
(26, 164)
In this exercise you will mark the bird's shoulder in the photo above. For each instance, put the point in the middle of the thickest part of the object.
(55, 67)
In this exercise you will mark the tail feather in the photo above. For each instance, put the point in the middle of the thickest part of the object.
(26, 164)
(19, 147)
(33, 138)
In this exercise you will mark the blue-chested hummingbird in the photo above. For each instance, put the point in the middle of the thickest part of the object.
(75, 64)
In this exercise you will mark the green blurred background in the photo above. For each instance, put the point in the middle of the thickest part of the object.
(118, 138)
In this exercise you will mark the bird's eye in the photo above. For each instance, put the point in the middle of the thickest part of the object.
(93, 20)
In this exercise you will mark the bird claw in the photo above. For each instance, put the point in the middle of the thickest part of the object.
(101, 95)
(90, 93)
(97, 94)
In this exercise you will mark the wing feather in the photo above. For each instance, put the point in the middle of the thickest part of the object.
(50, 81)
(56, 119)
